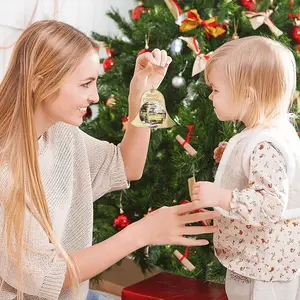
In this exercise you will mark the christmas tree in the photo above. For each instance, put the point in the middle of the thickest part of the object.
(189, 30)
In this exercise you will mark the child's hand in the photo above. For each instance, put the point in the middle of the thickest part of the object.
(150, 70)
(211, 195)
(218, 152)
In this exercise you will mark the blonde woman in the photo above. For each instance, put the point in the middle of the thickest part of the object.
(51, 172)
(256, 187)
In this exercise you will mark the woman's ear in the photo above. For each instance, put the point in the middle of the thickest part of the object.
(35, 83)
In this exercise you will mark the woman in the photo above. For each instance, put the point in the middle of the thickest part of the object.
(51, 172)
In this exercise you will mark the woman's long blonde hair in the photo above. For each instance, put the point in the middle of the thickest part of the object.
(258, 68)
(44, 55)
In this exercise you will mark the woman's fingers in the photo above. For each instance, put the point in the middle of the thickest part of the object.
(190, 242)
(197, 217)
(196, 230)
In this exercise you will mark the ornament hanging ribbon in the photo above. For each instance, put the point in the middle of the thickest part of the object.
(186, 143)
(193, 20)
(201, 58)
(259, 18)
(188, 136)
(175, 10)
(184, 260)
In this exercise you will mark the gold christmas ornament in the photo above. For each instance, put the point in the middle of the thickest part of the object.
(153, 112)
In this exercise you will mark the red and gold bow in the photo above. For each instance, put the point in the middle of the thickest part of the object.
(259, 18)
(193, 20)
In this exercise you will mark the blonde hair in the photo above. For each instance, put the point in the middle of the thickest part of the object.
(259, 69)
(44, 55)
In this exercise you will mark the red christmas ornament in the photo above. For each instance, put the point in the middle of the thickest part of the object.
(121, 221)
(248, 4)
(108, 63)
(144, 51)
(296, 33)
(136, 13)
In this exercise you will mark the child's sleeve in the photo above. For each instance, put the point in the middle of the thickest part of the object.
(265, 200)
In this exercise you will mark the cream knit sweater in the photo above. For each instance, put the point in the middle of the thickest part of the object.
(76, 170)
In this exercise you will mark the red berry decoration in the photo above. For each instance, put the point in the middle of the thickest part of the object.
(248, 4)
(136, 13)
(121, 221)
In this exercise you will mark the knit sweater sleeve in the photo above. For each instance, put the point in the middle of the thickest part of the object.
(43, 269)
(265, 200)
(106, 166)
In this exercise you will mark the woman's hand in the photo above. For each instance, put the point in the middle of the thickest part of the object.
(150, 70)
(167, 225)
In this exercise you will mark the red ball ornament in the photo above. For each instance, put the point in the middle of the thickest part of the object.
(248, 4)
(108, 63)
(121, 221)
(136, 13)
(296, 34)
(144, 51)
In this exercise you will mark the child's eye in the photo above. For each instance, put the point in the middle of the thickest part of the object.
(86, 85)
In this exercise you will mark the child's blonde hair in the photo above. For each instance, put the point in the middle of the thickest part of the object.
(261, 70)
(44, 55)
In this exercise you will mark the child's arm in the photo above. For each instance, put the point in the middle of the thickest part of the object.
(264, 201)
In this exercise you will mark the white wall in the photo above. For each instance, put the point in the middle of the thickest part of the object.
(86, 15)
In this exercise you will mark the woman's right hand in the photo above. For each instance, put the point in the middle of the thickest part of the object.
(166, 225)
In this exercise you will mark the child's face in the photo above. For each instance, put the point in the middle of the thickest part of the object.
(221, 96)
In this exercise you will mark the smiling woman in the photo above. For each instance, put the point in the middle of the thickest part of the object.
(51, 171)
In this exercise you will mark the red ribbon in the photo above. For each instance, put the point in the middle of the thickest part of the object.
(196, 45)
(178, 7)
(124, 119)
(185, 255)
(188, 137)
(293, 16)
(198, 51)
